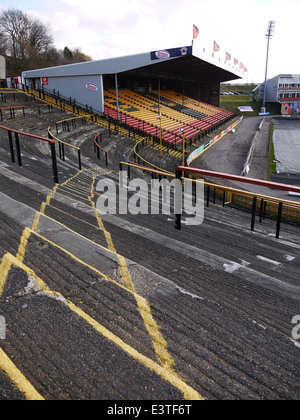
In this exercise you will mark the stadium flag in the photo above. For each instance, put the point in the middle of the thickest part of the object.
(216, 47)
(228, 57)
(236, 62)
(245, 70)
(196, 32)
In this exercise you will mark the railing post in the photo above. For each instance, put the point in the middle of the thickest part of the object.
(207, 198)
(18, 149)
(178, 216)
(54, 163)
(261, 213)
(11, 147)
(279, 215)
(79, 159)
(253, 213)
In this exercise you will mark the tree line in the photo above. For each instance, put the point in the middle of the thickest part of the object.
(27, 44)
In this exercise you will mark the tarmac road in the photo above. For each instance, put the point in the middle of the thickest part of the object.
(230, 153)
(287, 145)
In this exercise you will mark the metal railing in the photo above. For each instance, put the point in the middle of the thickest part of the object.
(17, 134)
(98, 149)
(256, 197)
(12, 110)
(61, 147)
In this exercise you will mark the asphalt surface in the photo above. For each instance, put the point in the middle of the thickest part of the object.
(287, 145)
(125, 307)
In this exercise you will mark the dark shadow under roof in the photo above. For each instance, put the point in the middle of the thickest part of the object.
(189, 68)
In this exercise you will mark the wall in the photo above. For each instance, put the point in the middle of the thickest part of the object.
(2, 68)
(86, 90)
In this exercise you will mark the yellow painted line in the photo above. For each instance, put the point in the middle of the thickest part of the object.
(188, 392)
(159, 344)
(18, 378)
(71, 195)
(73, 177)
(82, 189)
(4, 270)
(76, 192)
(73, 217)
(166, 370)
(23, 244)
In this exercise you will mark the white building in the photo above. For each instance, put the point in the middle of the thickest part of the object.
(284, 89)
(2, 68)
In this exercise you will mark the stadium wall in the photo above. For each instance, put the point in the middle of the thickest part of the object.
(87, 90)
(2, 68)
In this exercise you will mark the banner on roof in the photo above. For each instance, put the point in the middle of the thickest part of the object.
(172, 53)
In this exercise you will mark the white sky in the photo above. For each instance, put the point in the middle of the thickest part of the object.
(111, 28)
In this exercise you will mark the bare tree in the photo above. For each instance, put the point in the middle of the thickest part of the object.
(28, 44)
(25, 38)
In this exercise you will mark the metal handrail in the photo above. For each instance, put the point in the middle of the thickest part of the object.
(18, 133)
(61, 146)
(98, 148)
(268, 184)
(146, 169)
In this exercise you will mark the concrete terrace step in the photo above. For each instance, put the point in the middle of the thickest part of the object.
(218, 330)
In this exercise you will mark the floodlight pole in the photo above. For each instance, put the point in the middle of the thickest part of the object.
(268, 35)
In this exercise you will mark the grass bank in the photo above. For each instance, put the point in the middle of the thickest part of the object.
(233, 102)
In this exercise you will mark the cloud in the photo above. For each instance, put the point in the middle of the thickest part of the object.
(109, 28)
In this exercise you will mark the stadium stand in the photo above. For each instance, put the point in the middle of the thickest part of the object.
(142, 112)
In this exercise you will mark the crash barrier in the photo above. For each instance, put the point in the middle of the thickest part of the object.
(249, 159)
(11, 94)
(255, 197)
(154, 172)
(69, 123)
(139, 159)
(198, 152)
(61, 147)
(12, 110)
(98, 149)
(43, 106)
(82, 111)
(17, 134)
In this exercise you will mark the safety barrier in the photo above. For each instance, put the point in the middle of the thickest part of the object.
(12, 110)
(61, 147)
(17, 135)
(161, 173)
(256, 197)
(99, 149)
(69, 123)
(49, 106)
